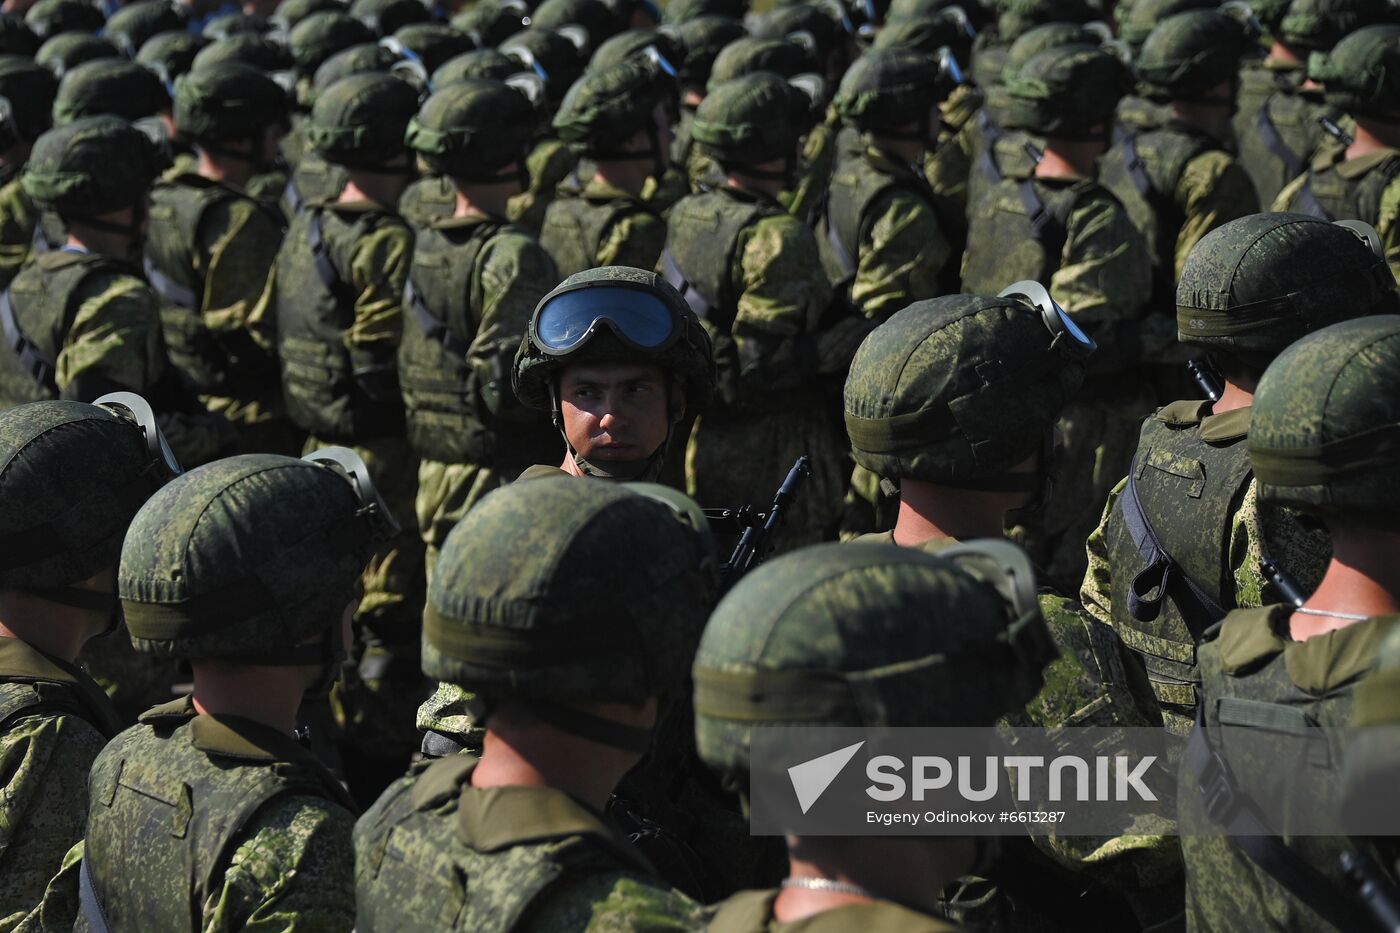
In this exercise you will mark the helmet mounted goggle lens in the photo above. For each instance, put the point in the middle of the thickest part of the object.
(381, 521)
(132, 406)
(640, 320)
(1056, 320)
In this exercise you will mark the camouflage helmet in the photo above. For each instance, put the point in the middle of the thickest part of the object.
(170, 54)
(1188, 55)
(704, 38)
(1269, 12)
(1361, 74)
(948, 28)
(1047, 36)
(71, 49)
(365, 58)
(756, 118)
(321, 35)
(960, 389)
(237, 24)
(49, 18)
(607, 107)
(1069, 91)
(1257, 284)
(750, 55)
(597, 593)
(663, 47)
(626, 300)
(1318, 25)
(92, 166)
(229, 101)
(1140, 19)
(291, 12)
(887, 89)
(360, 121)
(1015, 17)
(868, 634)
(30, 90)
(473, 129)
(680, 12)
(490, 64)
(1324, 431)
(131, 26)
(72, 476)
(1372, 763)
(252, 558)
(431, 44)
(16, 38)
(386, 17)
(594, 17)
(112, 86)
(491, 22)
(819, 26)
(550, 55)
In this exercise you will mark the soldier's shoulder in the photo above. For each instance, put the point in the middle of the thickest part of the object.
(616, 901)
(297, 835)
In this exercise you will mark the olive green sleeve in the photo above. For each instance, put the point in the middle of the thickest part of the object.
(295, 872)
(238, 252)
(115, 339)
(1095, 594)
(378, 272)
(1388, 225)
(611, 903)
(635, 240)
(1256, 530)
(1214, 189)
(59, 910)
(1286, 197)
(902, 254)
(18, 216)
(1105, 275)
(43, 807)
(514, 274)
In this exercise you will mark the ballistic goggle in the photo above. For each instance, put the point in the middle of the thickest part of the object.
(136, 409)
(381, 522)
(639, 319)
(1056, 320)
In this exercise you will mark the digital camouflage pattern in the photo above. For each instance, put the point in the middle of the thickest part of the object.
(109, 86)
(548, 163)
(1370, 762)
(602, 225)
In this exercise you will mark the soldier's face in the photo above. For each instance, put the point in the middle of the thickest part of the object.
(614, 411)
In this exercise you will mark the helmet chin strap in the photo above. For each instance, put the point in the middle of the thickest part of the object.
(647, 470)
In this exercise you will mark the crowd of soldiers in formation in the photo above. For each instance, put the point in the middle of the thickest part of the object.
(355, 359)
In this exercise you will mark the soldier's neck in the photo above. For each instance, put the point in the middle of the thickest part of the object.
(1068, 159)
(56, 630)
(99, 242)
(1235, 396)
(16, 155)
(1372, 136)
(380, 188)
(1363, 578)
(1282, 54)
(928, 511)
(488, 200)
(630, 175)
(233, 172)
(908, 151)
(1211, 119)
(267, 695)
(910, 871)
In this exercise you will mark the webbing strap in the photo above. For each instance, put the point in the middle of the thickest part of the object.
(292, 195)
(987, 161)
(1137, 171)
(1231, 809)
(839, 252)
(170, 289)
(433, 326)
(321, 257)
(35, 362)
(1292, 162)
(1161, 573)
(1307, 202)
(1048, 230)
(673, 275)
(92, 907)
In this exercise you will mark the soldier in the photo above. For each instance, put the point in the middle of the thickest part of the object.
(475, 280)
(514, 839)
(789, 645)
(247, 569)
(704, 37)
(1179, 181)
(62, 54)
(71, 478)
(341, 275)
(212, 248)
(28, 91)
(132, 25)
(619, 118)
(1069, 230)
(110, 86)
(1356, 177)
(745, 267)
(1249, 290)
(1371, 765)
(1320, 441)
(887, 240)
(956, 401)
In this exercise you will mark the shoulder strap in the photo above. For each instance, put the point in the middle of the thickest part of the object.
(1137, 171)
(1232, 809)
(1307, 202)
(1161, 574)
(677, 279)
(987, 161)
(436, 327)
(292, 196)
(40, 367)
(170, 289)
(1047, 226)
(321, 257)
(1264, 125)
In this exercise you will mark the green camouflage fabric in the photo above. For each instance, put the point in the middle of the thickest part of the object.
(360, 120)
(260, 52)
(52, 17)
(490, 22)
(30, 89)
(561, 60)
(90, 166)
(1365, 188)
(229, 101)
(1295, 116)
(290, 862)
(1066, 91)
(19, 218)
(1318, 25)
(1358, 74)
(314, 180)
(53, 721)
(1141, 16)
(752, 911)
(1252, 660)
(1370, 764)
(602, 225)
(170, 53)
(109, 86)
(1188, 54)
(135, 23)
(547, 164)
(1260, 79)
(521, 858)
(63, 53)
(433, 43)
(481, 63)
(386, 17)
(320, 35)
(471, 130)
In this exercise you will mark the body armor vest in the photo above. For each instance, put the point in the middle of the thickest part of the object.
(1278, 145)
(185, 810)
(1330, 196)
(1021, 230)
(1189, 490)
(314, 181)
(702, 246)
(575, 227)
(430, 198)
(414, 845)
(321, 378)
(454, 403)
(1143, 171)
(36, 313)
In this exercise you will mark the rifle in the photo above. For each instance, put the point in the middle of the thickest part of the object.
(758, 527)
(1374, 889)
(1282, 580)
(1207, 377)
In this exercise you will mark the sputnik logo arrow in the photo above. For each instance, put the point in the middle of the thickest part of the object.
(811, 778)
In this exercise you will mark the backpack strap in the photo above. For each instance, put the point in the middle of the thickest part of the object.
(1307, 202)
(672, 273)
(321, 257)
(1264, 126)
(43, 369)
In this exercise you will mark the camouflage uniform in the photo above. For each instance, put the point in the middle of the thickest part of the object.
(887, 241)
(30, 90)
(601, 225)
(265, 827)
(745, 266)
(135, 23)
(1258, 684)
(792, 638)
(475, 281)
(62, 54)
(341, 275)
(532, 857)
(54, 718)
(1357, 78)
(549, 161)
(1190, 473)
